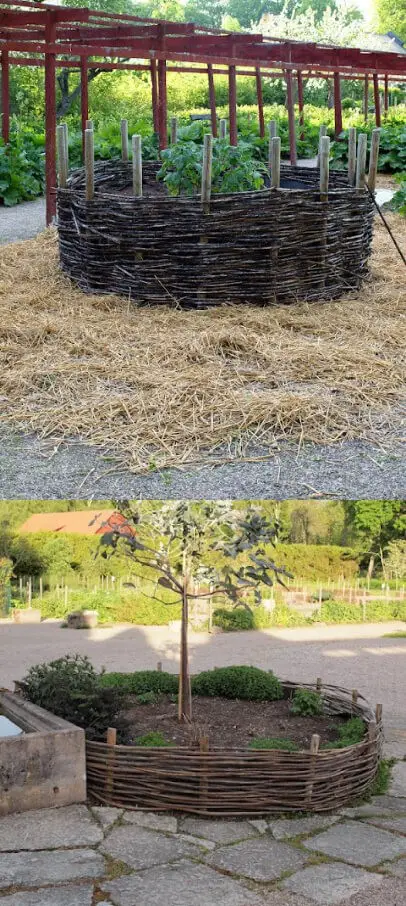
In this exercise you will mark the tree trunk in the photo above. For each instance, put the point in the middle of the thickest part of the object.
(185, 694)
(371, 566)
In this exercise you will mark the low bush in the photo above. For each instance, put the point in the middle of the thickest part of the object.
(22, 171)
(236, 619)
(306, 703)
(249, 683)
(112, 607)
(287, 745)
(142, 682)
(153, 738)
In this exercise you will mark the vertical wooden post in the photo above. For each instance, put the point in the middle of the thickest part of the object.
(322, 133)
(162, 105)
(5, 96)
(50, 118)
(111, 741)
(89, 163)
(291, 116)
(206, 172)
(84, 100)
(378, 713)
(318, 684)
(232, 104)
(223, 129)
(366, 97)
(300, 98)
(260, 100)
(136, 143)
(62, 156)
(314, 748)
(377, 100)
(275, 162)
(373, 159)
(40, 588)
(124, 139)
(212, 100)
(174, 130)
(352, 155)
(89, 124)
(361, 161)
(338, 113)
(272, 134)
(386, 94)
(154, 95)
(324, 167)
(204, 748)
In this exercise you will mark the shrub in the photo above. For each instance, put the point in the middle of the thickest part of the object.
(71, 688)
(142, 682)
(351, 732)
(287, 745)
(306, 703)
(21, 171)
(153, 738)
(248, 683)
(240, 618)
(147, 698)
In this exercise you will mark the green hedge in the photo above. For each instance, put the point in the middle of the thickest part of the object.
(248, 683)
(113, 607)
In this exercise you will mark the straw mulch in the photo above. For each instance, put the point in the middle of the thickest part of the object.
(161, 387)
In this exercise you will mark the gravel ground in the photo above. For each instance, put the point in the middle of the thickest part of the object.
(347, 471)
(22, 221)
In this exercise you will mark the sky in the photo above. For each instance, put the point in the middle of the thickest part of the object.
(366, 8)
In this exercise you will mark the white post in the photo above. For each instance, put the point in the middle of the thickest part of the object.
(136, 143)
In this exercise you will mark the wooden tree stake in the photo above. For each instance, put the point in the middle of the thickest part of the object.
(61, 135)
(361, 161)
(272, 134)
(206, 172)
(354, 696)
(89, 164)
(318, 684)
(275, 163)
(322, 133)
(373, 159)
(111, 741)
(352, 155)
(136, 144)
(223, 130)
(378, 713)
(89, 124)
(124, 139)
(159, 666)
(314, 748)
(174, 130)
(324, 166)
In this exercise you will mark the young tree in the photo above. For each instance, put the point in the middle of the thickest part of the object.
(374, 523)
(174, 541)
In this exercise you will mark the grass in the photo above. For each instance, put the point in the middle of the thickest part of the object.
(399, 634)
(383, 776)
(287, 745)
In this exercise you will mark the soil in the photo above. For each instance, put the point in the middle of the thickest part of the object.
(226, 723)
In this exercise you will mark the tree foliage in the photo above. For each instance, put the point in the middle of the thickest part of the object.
(391, 15)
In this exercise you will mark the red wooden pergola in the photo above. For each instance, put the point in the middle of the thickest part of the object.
(32, 34)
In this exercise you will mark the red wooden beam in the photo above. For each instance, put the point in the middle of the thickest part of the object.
(232, 104)
(84, 99)
(154, 96)
(377, 100)
(50, 121)
(338, 113)
(260, 99)
(301, 103)
(212, 100)
(291, 117)
(162, 105)
(5, 96)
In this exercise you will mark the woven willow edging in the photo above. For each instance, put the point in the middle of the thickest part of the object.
(262, 247)
(226, 783)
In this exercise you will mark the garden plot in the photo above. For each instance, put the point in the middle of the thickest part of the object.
(160, 388)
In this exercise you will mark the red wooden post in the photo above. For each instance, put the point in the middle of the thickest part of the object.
(84, 99)
(300, 98)
(5, 96)
(386, 94)
(377, 100)
(50, 120)
(154, 92)
(232, 104)
(338, 113)
(212, 100)
(260, 99)
(162, 105)
(366, 97)
(291, 115)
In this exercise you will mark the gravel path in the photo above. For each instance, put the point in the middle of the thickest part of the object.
(23, 221)
(346, 471)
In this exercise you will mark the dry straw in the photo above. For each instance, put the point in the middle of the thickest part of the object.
(159, 386)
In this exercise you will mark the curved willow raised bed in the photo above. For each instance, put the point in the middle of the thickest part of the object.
(228, 782)
(262, 247)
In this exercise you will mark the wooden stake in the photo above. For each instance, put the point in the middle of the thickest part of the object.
(318, 684)
(223, 130)
(291, 119)
(354, 696)
(366, 97)
(206, 172)
(272, 134)
(174, 130)
(275, 163)
(373, 159)
(322, 133)
(204, 748)
(212, 100)
(124, 139)
(314, 748)
(361, 161)
(352, 155)
(89, 164)
(136, 145)
(324, 167)
(62, 156)
(111, 741)
(159, 666)
(89, 124)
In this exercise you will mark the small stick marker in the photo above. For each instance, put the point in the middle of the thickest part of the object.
(373, 160)
(206, 172)
(352, 155)
(137, 165)
(272, 134)
(61, 134)
(361, 161)
(276, 163)
(322, 133)
(223, 130)
(324, 166)
(124, 139)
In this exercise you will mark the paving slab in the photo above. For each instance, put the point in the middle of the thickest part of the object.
(331, 883)
(398, 825)
(392, 892)
(219, 831)
(260, 825)
(358, 844)
(49, 829)
(197, 841)
(397, 869)
(107, 815)
(152, 820)
(394, 803)
(398, 780)
(180, 885)
(282, 828)
(386, 806)
(260, 860)
(24, 869)
(77, 895)
(142, 848)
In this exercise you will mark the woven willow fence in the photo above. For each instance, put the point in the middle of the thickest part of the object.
(264, 247)
(226, 783)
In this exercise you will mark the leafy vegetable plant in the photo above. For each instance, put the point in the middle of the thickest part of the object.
(234, 169)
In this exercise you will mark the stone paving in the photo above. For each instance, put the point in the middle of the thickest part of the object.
(95, 856)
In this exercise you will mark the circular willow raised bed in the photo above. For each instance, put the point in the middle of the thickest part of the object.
(263, 247)
(231, 782)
